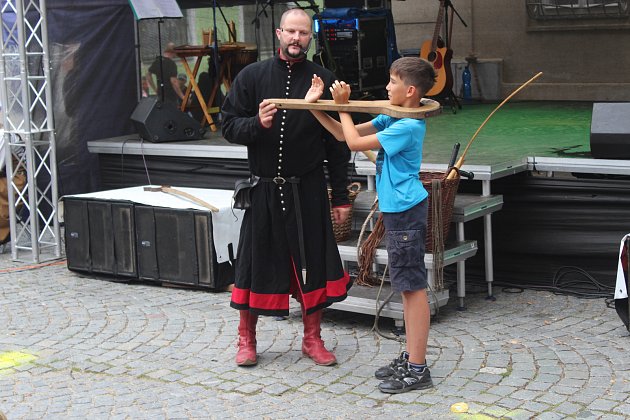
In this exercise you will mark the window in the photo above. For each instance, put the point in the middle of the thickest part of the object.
(577, 9)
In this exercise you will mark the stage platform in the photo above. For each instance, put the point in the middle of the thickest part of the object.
(534, 154)
(543, 136)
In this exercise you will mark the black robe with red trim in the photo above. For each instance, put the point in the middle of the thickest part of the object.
(268, 264)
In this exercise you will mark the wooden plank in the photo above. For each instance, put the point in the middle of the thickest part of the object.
(428, 107)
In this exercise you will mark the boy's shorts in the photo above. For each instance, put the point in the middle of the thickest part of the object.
(406, 236)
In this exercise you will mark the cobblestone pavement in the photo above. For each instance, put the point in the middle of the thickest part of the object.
(72, 346)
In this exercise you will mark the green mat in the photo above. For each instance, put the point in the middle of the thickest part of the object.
(515, 131)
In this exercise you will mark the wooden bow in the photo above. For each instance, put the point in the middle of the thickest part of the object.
(453, 172)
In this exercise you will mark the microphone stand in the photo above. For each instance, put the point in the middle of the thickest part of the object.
(263, 11)
(447, 38)
(161, 97)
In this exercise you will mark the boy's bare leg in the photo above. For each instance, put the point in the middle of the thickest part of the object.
(417, 321)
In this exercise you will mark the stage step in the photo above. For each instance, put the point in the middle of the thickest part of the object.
(467, 207)
(363, 299)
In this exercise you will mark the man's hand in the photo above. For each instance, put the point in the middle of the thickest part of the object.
(340, 214)
(340, 92)
(266, 111)
(316, 91)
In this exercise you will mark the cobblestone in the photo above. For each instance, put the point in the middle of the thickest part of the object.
(102, 349)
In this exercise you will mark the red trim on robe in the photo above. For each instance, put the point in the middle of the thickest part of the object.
(280, 301)
(240, 296)
(266, 301)
(334, 288)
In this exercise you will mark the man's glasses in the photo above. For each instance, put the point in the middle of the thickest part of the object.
(292, 32)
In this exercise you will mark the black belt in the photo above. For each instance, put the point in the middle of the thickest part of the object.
(294, 181)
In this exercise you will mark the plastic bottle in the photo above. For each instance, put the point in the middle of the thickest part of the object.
(466, 83)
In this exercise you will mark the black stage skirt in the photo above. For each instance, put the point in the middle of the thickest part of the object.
(268, 265)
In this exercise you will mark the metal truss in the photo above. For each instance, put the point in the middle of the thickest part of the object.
(29, 137)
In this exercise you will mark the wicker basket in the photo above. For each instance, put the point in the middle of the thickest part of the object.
(449, 191)
(342, 231)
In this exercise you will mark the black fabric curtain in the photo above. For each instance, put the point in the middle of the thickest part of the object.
(93, 60)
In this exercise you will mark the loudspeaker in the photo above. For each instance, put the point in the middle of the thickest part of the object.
(100, 237)
(158, 121)
(176, 246)
(610, 130)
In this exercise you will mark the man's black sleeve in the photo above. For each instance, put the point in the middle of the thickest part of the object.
(239, 113)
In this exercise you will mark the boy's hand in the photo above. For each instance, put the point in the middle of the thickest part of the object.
(316, 90)
(340, 92)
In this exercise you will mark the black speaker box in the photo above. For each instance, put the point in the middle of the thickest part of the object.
(176, 246)
(99, 237)
(610, 130)
(158, 122)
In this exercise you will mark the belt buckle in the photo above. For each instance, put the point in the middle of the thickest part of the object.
(278, 180)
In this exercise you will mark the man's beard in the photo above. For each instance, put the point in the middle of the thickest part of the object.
(296, 56)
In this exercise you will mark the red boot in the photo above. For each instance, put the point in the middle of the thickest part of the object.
(312, 344)
(246, 354)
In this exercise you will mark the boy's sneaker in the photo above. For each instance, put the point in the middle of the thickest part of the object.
(386, 372)
(405, 380)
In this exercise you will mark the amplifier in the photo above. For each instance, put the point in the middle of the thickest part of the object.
(358, 48)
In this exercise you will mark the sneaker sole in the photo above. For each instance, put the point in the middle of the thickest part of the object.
(407, 389)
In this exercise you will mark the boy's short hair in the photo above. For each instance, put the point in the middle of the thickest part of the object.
(415, 71)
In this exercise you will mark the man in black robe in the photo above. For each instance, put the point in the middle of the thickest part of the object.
(287, 246)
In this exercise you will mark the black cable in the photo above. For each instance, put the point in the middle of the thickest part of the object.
(233, 35)
(590, 288)
(586, 288)
(146, 169)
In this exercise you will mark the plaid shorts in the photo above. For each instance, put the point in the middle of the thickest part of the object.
(406, 236)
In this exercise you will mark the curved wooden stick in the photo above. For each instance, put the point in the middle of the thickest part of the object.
(170, 190)
(453, 173)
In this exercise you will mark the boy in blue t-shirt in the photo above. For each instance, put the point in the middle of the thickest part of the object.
(403, 203)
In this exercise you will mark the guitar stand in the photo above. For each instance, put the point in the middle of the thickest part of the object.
(449, 99)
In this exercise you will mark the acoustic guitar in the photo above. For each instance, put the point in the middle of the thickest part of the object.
(437, 53)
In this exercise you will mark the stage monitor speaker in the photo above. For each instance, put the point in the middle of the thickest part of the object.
(158, 122)
(610, 130)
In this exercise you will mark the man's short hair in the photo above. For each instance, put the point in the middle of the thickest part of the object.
(415, 71)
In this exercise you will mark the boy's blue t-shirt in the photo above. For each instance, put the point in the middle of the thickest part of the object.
(398, 163)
